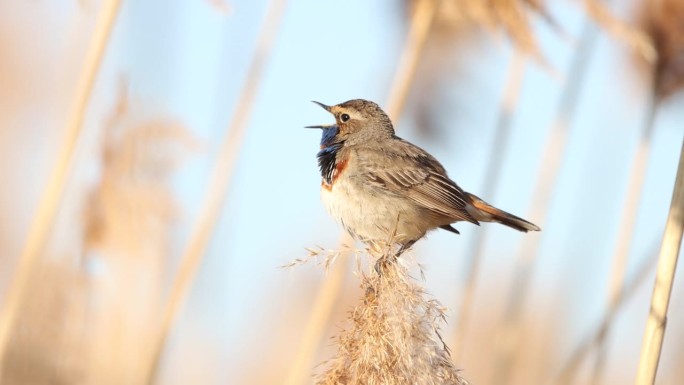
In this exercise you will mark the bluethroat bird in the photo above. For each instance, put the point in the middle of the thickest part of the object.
(374, 181)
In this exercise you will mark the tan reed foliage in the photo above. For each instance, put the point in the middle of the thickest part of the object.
(631, 35)
(219, 182)
(53, 341)
(511, 16)
(90, 318)
(54, 190)
(667, 264)
(662, 21)
(394, 333)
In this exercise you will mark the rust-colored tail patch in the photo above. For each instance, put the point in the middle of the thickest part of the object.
(501, 216)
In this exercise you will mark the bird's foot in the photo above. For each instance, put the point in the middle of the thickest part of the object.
(390, 258)
(383, 262)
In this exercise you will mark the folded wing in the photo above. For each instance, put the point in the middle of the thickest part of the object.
(419, 177)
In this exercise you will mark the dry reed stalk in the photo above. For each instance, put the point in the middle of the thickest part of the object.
(509, 102)
(394, 338)
(421, 22)
(52, 196)
(660, 300)
(219, 182)
(625, 233)
(568, 371)
(554, 151)
(663, 25)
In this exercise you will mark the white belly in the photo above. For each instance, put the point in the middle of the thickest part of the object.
(368, 216)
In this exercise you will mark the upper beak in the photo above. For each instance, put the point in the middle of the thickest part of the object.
(327, 108)
(321, 126)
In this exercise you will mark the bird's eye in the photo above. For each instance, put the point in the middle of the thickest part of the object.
(344, 117)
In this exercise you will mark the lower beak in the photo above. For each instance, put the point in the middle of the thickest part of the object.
(322, 126)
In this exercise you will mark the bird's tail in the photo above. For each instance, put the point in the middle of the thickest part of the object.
(485, 212)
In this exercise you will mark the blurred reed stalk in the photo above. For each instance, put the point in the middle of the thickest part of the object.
(53, 192)
(660, 300)
(327, 296)
(219, 182)
(422, 19)
(566, 376)
(509, 102)
(554, 151)
(662, 22)
(625, 233)
(394, 333)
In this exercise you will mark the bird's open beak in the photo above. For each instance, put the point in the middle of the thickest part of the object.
(321, 126)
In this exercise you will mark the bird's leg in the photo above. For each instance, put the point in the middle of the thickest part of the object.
(386, 259)
(404, 247)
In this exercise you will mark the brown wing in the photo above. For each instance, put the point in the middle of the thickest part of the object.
(418, 176)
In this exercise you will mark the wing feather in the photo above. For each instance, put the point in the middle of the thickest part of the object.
(418, 176)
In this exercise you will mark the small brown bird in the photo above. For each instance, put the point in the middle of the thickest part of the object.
(374, 181)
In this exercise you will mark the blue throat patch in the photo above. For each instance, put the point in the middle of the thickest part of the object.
(327, 157)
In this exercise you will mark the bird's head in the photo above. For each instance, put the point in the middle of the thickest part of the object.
(356, 121)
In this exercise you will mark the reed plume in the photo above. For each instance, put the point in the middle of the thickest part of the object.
(393, 336)
(129, 217)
